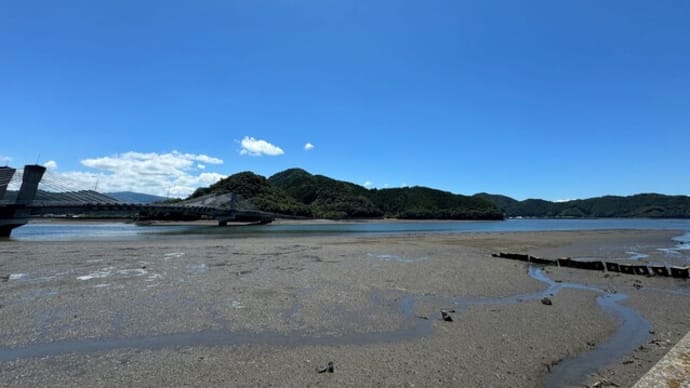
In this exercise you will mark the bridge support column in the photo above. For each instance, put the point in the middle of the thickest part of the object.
(6, 174)
(17, 214)
(12, 216)
(32, 176)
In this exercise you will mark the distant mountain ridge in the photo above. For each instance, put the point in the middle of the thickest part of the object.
(650, 205)
(296, 192)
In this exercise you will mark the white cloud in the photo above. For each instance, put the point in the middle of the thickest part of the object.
(50, 165)
(368, 184)
(257, 147)
(309, 147)
(176, 174)
(5, 159)
(205, 159)
(201, 166)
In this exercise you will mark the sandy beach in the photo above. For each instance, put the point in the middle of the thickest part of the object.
(275, 311)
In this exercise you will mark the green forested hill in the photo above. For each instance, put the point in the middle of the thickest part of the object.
(259, 191)
(327, 197)
(423, 202)
(640, 205)
(298, 193)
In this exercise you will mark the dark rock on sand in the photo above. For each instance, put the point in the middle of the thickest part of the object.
(446, 317)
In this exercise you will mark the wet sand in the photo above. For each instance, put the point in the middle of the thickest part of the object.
(271, 311)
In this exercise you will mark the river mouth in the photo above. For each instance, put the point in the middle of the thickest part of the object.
(632, 331)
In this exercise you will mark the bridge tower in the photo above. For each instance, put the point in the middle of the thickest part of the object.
(32, 176)
(14, 215)
(6, 174)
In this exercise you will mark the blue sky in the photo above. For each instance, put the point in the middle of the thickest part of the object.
(532, 99)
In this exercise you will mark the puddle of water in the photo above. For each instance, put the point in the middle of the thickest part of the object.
(632, 255)
(679, 251)
(173, 255)
(683, 239)
(198, 268)
(153, 277)
(132, 271)
(390, 257)
(95, 275)
(18, 276)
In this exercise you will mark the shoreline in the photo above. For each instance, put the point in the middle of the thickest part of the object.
(322, 221)
(342, 287)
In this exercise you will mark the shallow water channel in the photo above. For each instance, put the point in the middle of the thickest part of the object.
(633, 330)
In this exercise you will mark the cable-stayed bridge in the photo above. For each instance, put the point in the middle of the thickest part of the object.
(34, 193)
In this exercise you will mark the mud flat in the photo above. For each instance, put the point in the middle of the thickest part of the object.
(275, 311)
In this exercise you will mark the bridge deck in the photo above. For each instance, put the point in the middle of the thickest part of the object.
(16, 215)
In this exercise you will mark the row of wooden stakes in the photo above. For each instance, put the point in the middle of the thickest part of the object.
(632, 269)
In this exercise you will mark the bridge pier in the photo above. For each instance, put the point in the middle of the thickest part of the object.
(223, 219)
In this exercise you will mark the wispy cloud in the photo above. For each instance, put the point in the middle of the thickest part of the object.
(368, 184)
(51, 165)
(5, 159)
(309, 147)
(258, 147)
(174, 173)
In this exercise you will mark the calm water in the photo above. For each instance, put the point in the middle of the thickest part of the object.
(119, 231)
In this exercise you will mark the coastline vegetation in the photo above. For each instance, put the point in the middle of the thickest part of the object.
(648, 205)
(295, 192)
(298, 193)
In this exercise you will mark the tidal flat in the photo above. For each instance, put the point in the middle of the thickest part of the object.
(274, 311)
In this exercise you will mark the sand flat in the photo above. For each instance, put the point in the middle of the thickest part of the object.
(270, 311)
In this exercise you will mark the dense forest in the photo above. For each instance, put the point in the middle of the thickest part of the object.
(296, 192)
(640, 205)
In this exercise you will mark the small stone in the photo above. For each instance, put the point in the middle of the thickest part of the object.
(546, 301)
(328, 368)
(446, 317)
